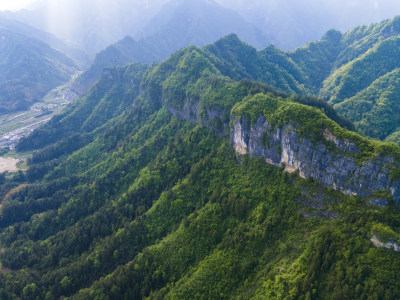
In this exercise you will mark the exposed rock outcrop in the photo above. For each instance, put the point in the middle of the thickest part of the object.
(389, 245)
(211, 118)
(284, 147)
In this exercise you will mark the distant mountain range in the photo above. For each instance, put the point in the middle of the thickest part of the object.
(292, 24)
(79, 56)
(349, 70)
(91, 25)
(179, 24)
(95, 24)
(29, 68)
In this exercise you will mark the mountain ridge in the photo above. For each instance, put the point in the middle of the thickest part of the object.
(150, 195)
(183, 23)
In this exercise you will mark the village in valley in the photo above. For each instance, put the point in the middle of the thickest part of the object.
(15, 126)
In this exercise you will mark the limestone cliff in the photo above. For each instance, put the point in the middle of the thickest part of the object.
(283, 146)
(334, 166)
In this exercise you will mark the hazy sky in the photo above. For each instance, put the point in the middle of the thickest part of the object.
(14, 4)
(292, 23)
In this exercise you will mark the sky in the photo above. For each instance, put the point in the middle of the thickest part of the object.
(14, 4)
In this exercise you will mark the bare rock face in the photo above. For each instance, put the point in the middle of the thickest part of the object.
(284, 147)
(192, 113)
(389, 245)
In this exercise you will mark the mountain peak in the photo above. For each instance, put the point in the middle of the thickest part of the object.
(231, 38)
(333, 36)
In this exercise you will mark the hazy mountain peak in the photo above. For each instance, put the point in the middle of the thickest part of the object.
(333, 35)
(200, 22)
(231, 38)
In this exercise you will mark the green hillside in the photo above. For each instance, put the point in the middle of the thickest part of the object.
(153, 202)
(375, 110)
(360, 73)
(357, 72)
(29, 69)
(363, 82)
(119, 54)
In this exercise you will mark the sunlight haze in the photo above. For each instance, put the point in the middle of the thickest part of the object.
(14, 4)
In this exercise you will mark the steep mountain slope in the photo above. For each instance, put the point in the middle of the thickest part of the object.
(363, 83)
(355, 71)
(375, 110)
(121, 53)
(80, 58)
(28, 70)
(360, 73)
(317, 59)
(246, 62)
(179, 24)
(336, 68)
(235, 59)
(160, 199)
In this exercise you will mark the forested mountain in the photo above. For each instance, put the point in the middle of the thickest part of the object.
(357, 72)
(362, 84)
(182, 181)
(348, 70)
(237, 60)
(80, 58)
(29, 69)
(121, 53)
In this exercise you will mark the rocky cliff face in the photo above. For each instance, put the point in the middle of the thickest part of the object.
(337, 169)
(211, 118)
(389, 245)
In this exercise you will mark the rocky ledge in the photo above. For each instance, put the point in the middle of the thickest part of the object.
(389, 245)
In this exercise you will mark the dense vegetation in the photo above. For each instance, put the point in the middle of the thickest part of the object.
(364, 80)
(124, 200)
(355, 71)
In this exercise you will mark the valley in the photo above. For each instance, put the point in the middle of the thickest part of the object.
(17, 125)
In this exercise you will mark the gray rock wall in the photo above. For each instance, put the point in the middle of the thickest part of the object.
(284, 147)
